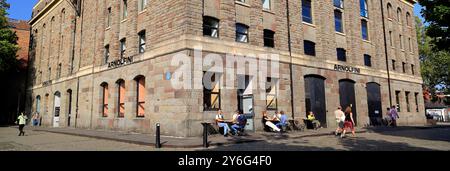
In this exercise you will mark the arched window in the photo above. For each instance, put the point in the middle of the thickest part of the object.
(104, 96)
(408, 19)
(121, 98)
(389, 10)
(399, 15)
(63, 16)
(140, 96)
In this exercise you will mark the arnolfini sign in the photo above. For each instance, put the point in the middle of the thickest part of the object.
(120, 62)
(350, 69)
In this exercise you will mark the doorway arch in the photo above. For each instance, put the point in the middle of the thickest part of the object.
(56, 109)
(374, 103)
(315, 97)
(347, 96)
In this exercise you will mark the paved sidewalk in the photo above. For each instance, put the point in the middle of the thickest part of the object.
(214, 140)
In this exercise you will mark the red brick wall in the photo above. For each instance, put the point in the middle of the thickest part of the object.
(22, 30)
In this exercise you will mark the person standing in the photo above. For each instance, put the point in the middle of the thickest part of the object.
(22, 121)
(349, 123)
(340, 118)
(394, 116)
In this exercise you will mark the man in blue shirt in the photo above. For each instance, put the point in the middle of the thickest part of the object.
(283, 120)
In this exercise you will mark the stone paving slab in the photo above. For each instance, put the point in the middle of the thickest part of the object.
(213, 140)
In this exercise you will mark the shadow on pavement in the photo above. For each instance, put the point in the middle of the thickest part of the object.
(424, 133)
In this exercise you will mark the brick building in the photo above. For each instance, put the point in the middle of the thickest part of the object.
(109, 64)
(14, 98)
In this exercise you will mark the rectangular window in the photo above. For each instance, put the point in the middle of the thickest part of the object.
(338, 3)
(210, 27)
(364, 8)
(124, 9)
(271, 94)
(106, 54)
(211, 91)
(391, 38)
(338, 21)
(142, 4)
(367, 60)
(364, 30)
(393, 65)
(341, 54)
(417, 101)
(123, 47)
(409, 44)
(397, 100)
(400, 37)
(309, 48)
(404, 67)
(108, 20)
(408, 107)
(266, 4)
(412, 69)
(58, 71)
(142, 41)
(269, 40)
(241, 33)
(307, 11)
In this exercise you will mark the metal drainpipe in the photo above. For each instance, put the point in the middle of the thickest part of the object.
(78, 13)
(290, 55)
(386, 53)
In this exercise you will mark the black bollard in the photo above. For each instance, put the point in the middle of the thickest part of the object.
(205, 135)
(158, 140)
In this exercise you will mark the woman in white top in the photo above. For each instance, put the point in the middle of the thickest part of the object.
(267, 121)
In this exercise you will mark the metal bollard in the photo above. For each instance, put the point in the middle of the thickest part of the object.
(205, 135)
(158, 134)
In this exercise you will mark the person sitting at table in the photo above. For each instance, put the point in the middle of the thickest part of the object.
(235, 121)
(269, 122)
(282, 120)
(314, 121)
(222, 123)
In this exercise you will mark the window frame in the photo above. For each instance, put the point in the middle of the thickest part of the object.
(206, 27)
(307, 50)
(269, 2)
(139, 101)
(365, 32)
(105, 91)
(208, 106)
(123, 47)
(269, 38)
(239, 33)
(336, 19)
(142, 41)
(268, 92)
(367, 60)
(107, 54)
(340, 52)
(364, 8)
(307, 19)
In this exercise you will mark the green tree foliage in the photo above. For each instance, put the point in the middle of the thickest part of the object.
(8, 42)
(437, 15)
(435, 63)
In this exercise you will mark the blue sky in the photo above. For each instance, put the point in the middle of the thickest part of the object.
(21, 9)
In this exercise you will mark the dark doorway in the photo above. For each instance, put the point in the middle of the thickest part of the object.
(245, 99)
(69, 108)
(315, 97)
(374, 103)
(347, 96)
